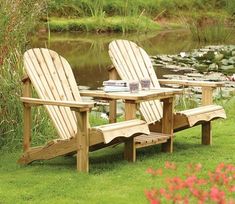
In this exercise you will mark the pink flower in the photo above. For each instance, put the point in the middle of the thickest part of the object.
(150, 170)
(231, 188)
(154, 172)
(198, 167)
(170, 165)
(190, 181)
(216, 195)
(155, 201)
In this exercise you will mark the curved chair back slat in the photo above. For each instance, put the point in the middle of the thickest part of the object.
(53, 79)
(133, 63)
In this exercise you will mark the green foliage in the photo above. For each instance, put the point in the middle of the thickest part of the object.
(150, 9)
(83, 8)
(208, 29)
(17, 20)
(231, 7)
(99, 24)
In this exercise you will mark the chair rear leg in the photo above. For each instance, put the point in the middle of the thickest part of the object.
(206, 133)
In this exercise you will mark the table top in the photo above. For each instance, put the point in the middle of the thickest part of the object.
(152, 94)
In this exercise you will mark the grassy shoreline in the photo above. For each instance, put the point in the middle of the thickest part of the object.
(133, 16)
(140, 24)
(111, 179)
(109, 24)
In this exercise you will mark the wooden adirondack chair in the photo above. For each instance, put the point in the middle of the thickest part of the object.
(132, 63)
(54, 82)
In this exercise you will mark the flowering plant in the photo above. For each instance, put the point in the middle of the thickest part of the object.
(217, 187)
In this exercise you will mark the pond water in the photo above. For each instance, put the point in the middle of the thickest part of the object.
(88, 53)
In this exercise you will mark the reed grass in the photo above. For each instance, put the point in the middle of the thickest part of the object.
(110, 24)
(153, 10)
(116, 7)
(208, 29)
(18, 18)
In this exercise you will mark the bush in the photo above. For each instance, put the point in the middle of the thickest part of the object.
(17, 19)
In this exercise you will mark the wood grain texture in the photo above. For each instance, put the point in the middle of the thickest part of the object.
(27, 92)
(132, 63)
(53, 79)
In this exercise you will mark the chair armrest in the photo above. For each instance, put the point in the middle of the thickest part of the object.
(192, 83)
(70, 104)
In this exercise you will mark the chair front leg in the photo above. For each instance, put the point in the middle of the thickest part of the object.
(27, 92)
(82, 141)
(206, 133)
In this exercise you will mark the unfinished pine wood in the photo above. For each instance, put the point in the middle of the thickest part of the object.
(138, 97)
(198, 115)
(129, 147)
(167, 124)
(132, 63)
(207, 96)
(206, 133)
(128, 58)
(49, 151)
(113, 75)
(53, 79)
(82, 142)
(36, 66)
(152, 139)
(71, 104)
(125, 129)
(192, 83)
(27, 92)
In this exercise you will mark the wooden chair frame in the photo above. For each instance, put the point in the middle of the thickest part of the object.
(84, 137)
(126, 61)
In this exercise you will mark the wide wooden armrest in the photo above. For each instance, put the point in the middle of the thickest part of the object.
(192, 83)
(70, 104)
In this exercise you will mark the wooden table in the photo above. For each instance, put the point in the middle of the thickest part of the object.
(132, 100)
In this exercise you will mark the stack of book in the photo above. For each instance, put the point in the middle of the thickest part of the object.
(115, 85)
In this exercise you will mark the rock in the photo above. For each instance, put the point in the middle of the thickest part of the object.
(231, 60)
(224, 62)
(175, 76)
(219, 57)
(201, 67)
(228, 67)
(194, 75)
(215, 76)
(165, 58)
(213, 67)
(210, 55)
(226, 53)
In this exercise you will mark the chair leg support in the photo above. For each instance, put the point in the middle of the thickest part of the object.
(167, 124)
(206, 133)
(130, 150)
(82, 142)
(168, 146)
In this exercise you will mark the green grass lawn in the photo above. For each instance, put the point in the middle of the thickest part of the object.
(111, 179)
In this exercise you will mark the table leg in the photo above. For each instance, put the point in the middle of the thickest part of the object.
(129, 148)
(167, 123)
(112, 111)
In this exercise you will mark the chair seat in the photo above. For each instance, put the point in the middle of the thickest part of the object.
(151, 139)
(106, 133)
(192, 117)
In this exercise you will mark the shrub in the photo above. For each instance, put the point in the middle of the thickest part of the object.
(17, 19)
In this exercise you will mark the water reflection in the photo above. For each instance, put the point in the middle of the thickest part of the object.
(88, 53)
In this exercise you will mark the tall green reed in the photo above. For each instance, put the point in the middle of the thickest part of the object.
(18, 18)
(204, 29)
